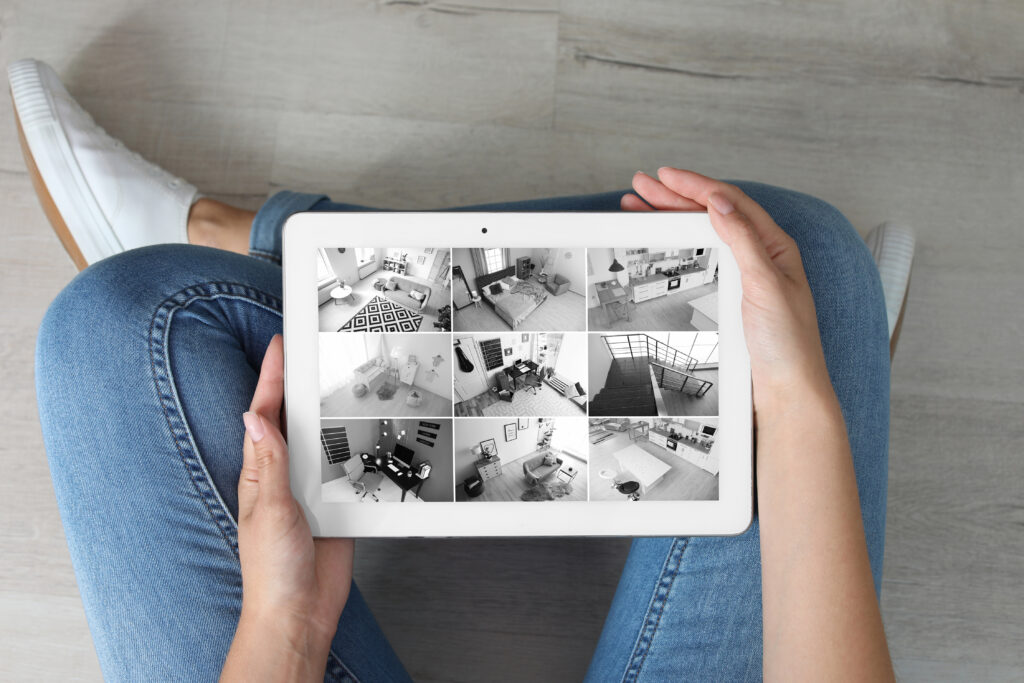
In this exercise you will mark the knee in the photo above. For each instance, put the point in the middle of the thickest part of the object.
(829, 245)
(102, 304)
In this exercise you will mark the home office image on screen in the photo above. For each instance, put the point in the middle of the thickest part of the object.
(386, 461)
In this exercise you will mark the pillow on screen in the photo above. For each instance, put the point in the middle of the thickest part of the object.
(550, 460)
(391, 285)
(496, 288)
(417, 294)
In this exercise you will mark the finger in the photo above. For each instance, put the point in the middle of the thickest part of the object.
(630, 202)
(269, 394)
(661, 197)
(699, 188)
(738, 231)
(248, 481)
(780, 246)
(271, 457)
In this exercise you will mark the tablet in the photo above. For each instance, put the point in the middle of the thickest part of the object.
(515, 374)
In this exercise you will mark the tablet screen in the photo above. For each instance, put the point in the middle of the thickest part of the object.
(523, 375)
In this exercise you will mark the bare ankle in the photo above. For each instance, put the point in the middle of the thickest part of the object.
(219, 225)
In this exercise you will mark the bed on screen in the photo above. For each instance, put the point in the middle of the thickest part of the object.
(511, 298)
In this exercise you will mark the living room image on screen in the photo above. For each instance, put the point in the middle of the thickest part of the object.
(385, 374)
(653, 373)
(524, 459)
(644, 458)
(386, 461)
(537, 374)
(501, 289)
(652, 288)
(384, 289)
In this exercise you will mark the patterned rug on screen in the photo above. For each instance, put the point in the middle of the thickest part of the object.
(381, 315)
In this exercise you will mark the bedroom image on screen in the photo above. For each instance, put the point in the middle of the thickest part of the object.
(504, 289)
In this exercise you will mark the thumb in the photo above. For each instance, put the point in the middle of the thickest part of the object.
(269, 454)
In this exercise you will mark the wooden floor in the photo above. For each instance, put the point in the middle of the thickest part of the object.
(342, 403)
(333, 315)
(678, 404)
(545, 402)
(511, 485)
(685, 481)
(669, 312)
(909, 111)
(567, 312)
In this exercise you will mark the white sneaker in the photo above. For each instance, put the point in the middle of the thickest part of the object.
(892, 247)
(100, 197)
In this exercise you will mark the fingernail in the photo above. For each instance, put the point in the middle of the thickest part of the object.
(639, 173)
(721, 204)
(253, 426)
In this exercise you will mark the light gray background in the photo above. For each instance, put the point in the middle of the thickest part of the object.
(890, 110)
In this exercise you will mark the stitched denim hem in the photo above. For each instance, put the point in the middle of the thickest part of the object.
(167, 391)
(267, 226)
(655, 610)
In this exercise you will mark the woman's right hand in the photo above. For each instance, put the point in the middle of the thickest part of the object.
(779, 319)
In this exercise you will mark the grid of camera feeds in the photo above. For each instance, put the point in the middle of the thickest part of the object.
(536, 375)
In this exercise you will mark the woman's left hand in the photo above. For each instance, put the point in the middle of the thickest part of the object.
(294, 587)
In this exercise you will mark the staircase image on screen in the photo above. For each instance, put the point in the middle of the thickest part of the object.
(640, 366)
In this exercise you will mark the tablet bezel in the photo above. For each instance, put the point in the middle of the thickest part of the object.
(305, 232)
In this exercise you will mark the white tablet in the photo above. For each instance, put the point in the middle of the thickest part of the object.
(516, 374)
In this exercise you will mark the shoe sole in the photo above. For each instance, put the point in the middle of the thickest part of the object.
(71, 202)
(46, 201)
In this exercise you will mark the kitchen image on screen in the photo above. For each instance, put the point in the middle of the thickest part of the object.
(386, 461)
(652, 288)
(644, 458)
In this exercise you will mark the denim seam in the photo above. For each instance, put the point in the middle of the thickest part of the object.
(656, 609)
(167, 392)
(265, 255)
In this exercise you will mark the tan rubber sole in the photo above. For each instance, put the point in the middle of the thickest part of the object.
(46, 201)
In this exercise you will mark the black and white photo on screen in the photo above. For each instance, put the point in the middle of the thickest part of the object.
(404, 460)
(526, 459)
(500, 289)
(384, 289)
(511, 374)
(653, 458)
(375, 374)
(652, 288)
(653, 373)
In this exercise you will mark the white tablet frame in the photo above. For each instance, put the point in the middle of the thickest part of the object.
(304, 232)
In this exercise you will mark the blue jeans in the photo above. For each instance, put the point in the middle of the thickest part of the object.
(146, 361)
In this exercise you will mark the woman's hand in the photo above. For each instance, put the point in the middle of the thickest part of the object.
(820, 615)
(779, 319)
(293, 587)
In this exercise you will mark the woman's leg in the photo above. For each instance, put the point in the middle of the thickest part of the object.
(690, 608)
(269, 222)
(145, 363)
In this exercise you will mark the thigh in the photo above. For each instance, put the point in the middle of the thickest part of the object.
(265, 239)
(690, 608)
(145, 363)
